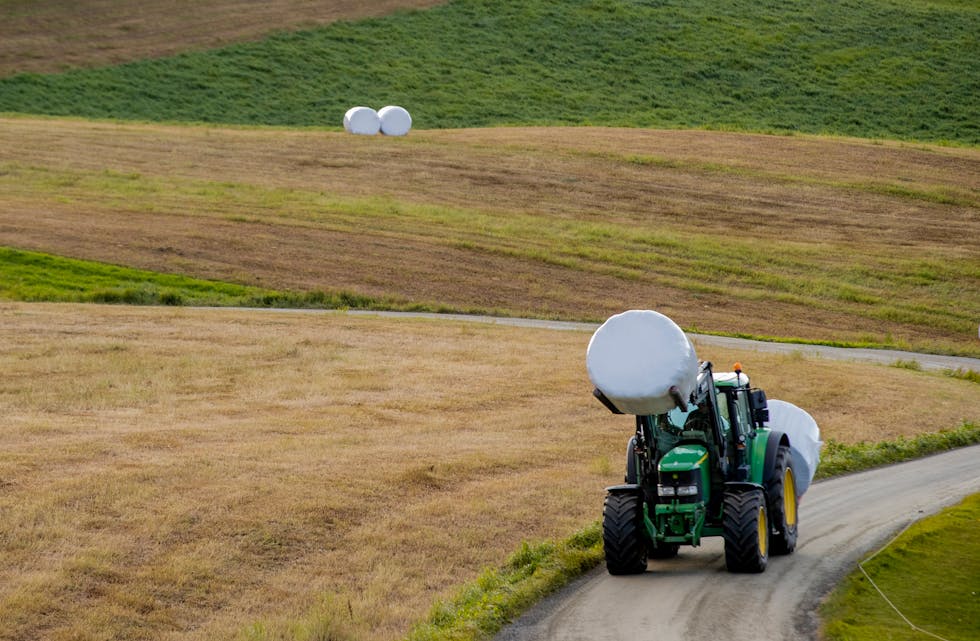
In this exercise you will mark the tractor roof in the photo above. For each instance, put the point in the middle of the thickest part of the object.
(730, 379)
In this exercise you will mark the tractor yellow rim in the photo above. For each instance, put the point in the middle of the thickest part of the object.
(763, 533)
(789, 497)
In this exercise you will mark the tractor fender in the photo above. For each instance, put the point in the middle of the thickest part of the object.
(631, 477)
(741, 486)
(776, 439)
(626, 488)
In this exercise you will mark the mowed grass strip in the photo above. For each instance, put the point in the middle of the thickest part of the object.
(870, 69)
(215, 474)
(33, 276)
(55, 35)
(531, 222)
(929, 573)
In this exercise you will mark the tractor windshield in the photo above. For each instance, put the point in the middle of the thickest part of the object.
(676, 418)
(694, 419)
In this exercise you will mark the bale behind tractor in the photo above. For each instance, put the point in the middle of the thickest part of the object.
(706, 459)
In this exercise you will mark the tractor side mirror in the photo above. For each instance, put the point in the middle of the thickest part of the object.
(759, 407)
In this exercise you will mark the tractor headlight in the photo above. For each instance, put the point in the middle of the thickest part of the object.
(682, 486)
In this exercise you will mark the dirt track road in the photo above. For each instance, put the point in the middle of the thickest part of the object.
(881, 356)
(692, 597)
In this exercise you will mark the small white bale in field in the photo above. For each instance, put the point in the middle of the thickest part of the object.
(635, 357)
(362, 120)
(395, 120)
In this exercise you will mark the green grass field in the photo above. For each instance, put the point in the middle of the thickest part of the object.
(932, 575)
(877, 68)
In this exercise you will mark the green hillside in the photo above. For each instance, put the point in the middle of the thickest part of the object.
(871, 68)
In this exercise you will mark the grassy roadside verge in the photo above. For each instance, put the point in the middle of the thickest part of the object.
(481, 608)
(930, 574)
(838, 458)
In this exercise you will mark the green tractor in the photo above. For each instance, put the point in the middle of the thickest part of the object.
(707, 467)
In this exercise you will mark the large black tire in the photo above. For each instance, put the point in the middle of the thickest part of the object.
(746, 531)
(622, 534)
(782, 504)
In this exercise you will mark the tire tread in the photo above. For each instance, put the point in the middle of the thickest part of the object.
(622, 534)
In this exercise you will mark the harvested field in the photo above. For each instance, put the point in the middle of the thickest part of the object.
(43, 36)
(807, 238)
(189, 474)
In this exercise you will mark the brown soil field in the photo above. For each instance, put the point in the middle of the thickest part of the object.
(877, 240)
(218, 474)
(43, 36)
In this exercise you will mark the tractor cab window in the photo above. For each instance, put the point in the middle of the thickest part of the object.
(677, 418)
(735, 403)
(742, 406)
(693, 423)
(678, 421)
(722, 403)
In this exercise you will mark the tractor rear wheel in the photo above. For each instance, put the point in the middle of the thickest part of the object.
(746, 531)
(622, 534)
(782, 503)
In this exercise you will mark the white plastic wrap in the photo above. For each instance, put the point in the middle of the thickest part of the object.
(804, 439)
(635, 357)
(362, 120)
(395, 120)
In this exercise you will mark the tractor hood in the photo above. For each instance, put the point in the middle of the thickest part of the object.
(683, 458)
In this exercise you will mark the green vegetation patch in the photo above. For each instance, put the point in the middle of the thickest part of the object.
(839, 458)
(964, 374)
(33, 277)
(932, 575)
(875, 68)
(498, 596)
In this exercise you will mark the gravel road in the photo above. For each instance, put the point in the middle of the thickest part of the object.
(693, 597)
(883, 356)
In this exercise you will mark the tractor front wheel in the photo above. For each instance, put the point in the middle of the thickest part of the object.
(622, 534)
(782, 503)
(746, 531)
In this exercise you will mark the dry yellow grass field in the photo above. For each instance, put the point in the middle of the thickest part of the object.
(196, 474)
(42, 36)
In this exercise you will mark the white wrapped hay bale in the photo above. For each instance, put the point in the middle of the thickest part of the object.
(362, 120)
(804, 439)
(635, 358)
(395, 120)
